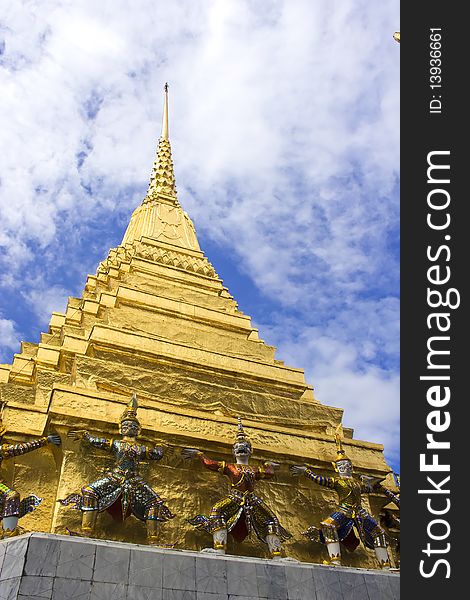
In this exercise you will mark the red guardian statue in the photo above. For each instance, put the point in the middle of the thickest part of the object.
(241, 511)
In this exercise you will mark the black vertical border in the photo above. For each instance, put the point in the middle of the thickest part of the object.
(421, 133)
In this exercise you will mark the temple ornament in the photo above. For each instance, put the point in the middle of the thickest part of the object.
(389, 517)
(349, 514)
(12, 507)
(241, 511)
(122, 491)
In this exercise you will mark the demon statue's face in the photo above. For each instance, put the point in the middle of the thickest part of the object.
(130, 428)
(242, 449)
(344, 468)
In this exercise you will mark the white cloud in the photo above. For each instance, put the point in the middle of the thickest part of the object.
(46, 299)
(9, 336)
(368, 394)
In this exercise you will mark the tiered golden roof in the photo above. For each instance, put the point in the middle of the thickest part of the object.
(162, 181)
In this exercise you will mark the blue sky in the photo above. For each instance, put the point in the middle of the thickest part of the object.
(284, 124)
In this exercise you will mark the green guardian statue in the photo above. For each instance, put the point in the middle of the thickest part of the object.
(349, 514)
(389, 517)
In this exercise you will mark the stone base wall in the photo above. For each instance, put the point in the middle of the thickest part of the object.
(41, 566)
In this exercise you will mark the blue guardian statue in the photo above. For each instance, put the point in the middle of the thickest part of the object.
(122, 491)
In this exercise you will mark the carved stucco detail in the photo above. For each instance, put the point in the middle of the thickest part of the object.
(159, 255)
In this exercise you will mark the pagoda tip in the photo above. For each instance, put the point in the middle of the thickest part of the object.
(165, 114)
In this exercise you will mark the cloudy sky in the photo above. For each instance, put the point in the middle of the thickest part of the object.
(284, 121)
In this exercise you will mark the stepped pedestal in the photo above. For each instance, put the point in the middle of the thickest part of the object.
(55, 567)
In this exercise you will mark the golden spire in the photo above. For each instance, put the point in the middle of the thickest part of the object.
(162, 180)
(165, 115)
(160, 216)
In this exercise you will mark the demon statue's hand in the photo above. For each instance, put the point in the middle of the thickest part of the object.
(77, 434)
(156, 453)
(298, 470)
(54, 439)
(371, 484)
(189, 452)
(274, 465)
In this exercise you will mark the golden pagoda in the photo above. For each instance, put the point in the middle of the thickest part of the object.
(156, 320)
